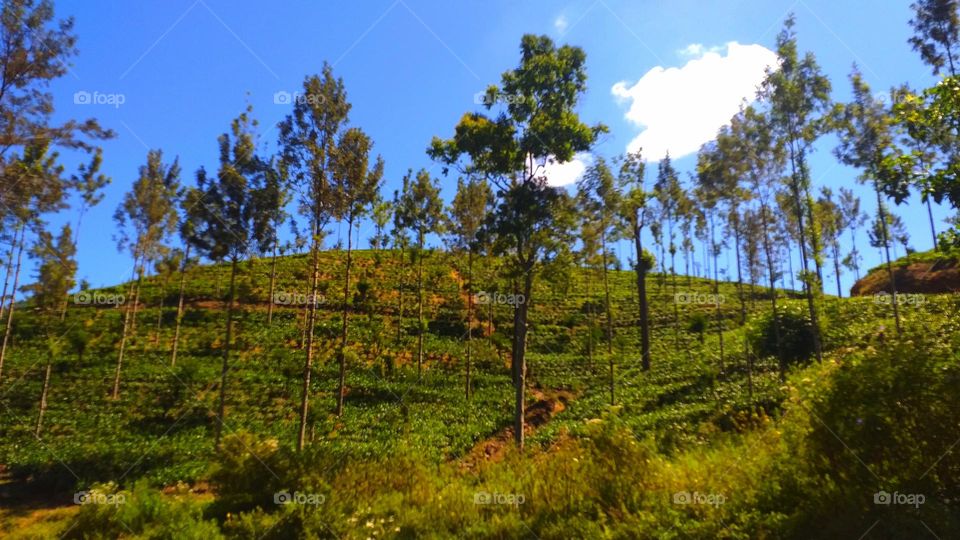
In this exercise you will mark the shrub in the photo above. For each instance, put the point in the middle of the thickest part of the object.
(796, 335)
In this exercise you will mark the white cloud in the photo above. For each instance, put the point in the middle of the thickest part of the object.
(680, 109)
(561, 24)
(696, 50)
(564, 174)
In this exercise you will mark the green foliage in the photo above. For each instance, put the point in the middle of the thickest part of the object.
(795, 332)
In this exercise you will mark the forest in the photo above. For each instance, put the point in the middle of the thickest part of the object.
(299, 351)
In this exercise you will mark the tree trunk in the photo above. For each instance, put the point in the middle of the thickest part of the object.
(644, 307)
(469, 317)
(591, 323)
(420, 305)
(43, 396)
(128, 315)
(768, 253)
(799, 170)
(736, 242)
(176, 331)
(886, 248)
(341, 355)
(836, 265)
(606, 292)
(9, 271)
(311, 319)
(400, 276)
(273, 282)
(136, 295)
(519, 354)
(163, 292)
(933, 229)
(13, 297)
(225, 366)
(716, 291)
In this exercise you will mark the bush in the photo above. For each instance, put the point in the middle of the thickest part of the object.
(888, 422)
(143, 513)
(796, 335)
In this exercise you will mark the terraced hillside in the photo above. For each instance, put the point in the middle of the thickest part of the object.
(161, 429)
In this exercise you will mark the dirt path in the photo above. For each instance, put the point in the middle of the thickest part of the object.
(549, 403)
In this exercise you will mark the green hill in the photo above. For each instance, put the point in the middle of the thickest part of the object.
(696, 422)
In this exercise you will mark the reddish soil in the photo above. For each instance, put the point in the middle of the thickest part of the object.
(920, 277)
(549, 404)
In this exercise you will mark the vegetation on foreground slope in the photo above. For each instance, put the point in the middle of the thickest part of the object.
(690, 450)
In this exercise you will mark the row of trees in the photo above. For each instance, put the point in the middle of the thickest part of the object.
(751, 193)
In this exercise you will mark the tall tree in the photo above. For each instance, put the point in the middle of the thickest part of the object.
(421, 211)
(635, 215)
(671, 201)
(145, 217)
(273, 197)
(538, 124)
(34, 187)
(470, 208)
(751, 138)
(355, 184)
(866, 142)
(601, 204)
(832, 226)
(798, 95)
(308, 138)
(226, 220)
(853, 218)
(56, 273)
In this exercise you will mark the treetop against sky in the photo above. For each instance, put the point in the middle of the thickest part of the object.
(662, 76)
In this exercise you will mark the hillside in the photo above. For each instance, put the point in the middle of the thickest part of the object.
(674, 429)
(922, 273)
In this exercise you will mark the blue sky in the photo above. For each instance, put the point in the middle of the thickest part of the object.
(184, 68)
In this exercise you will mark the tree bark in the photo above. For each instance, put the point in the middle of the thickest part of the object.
(768, 253)
(311, 319)
(225, 366)
(798, 170)
(130, 307)
(716, 291)
(273, 282)
(933, 229)
(341, 355)
(13, 297)
(176, 331)
(400, 276)
(9, 271)
(420, 305)
(469, 389)
(642, 294)
(886, 248)
(519, 357)
(43, 397)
